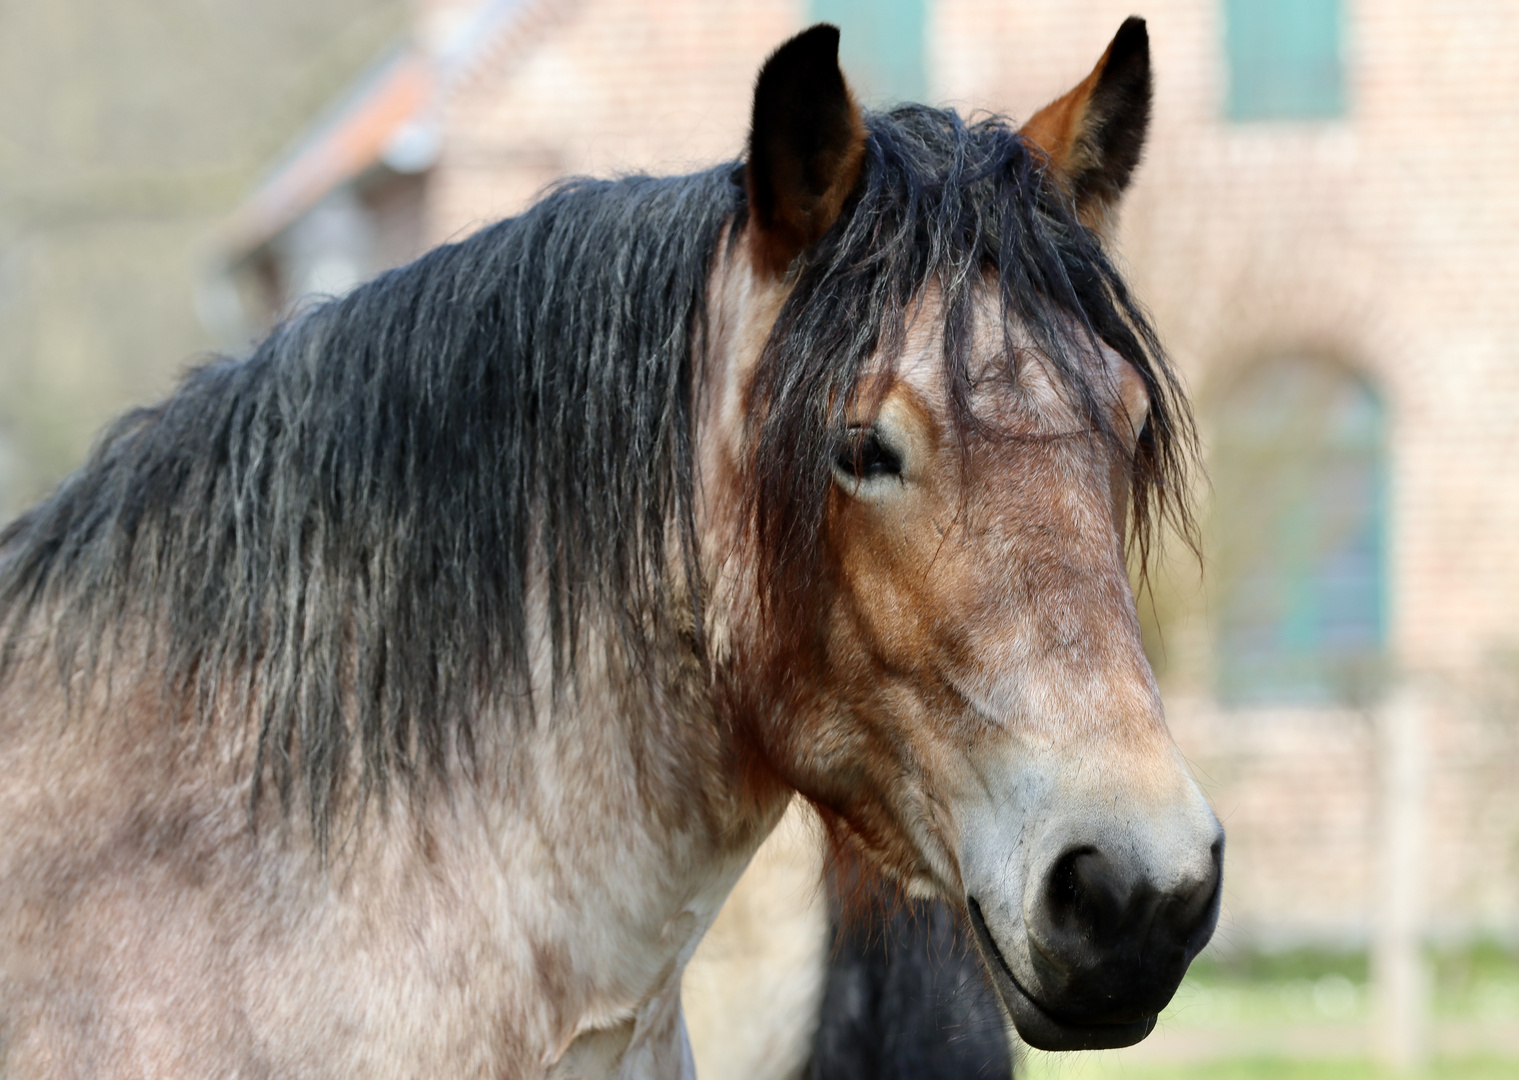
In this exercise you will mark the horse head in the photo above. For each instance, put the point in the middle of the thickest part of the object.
(935, 422)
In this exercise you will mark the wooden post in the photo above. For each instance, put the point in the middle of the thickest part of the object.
(1398, 967)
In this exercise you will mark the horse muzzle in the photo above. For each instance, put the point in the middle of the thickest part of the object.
(1101, 947)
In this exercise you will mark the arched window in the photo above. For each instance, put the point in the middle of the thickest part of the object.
(1298, 536)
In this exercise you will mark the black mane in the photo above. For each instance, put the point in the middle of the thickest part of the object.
(352, 511)
(341, 527)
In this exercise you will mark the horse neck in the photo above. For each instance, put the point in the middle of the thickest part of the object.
(615, 835)
(647, 785)
(634, 770)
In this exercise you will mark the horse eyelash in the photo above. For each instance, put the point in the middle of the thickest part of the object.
(865, 456)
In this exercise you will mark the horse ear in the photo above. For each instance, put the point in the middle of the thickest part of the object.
(806, 146)
(1093, 136)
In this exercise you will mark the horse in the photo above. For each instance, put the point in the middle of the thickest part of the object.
(792, 983)
(404, 697)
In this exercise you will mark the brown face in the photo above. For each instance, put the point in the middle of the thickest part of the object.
(974, 703)
(967, 694)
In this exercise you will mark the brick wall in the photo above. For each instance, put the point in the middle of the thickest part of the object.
(601, 86)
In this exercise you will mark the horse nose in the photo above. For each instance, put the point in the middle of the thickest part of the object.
(1110, 944)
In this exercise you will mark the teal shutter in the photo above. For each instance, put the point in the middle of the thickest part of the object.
(880, 46)
(1298, 537)
(1285, 59)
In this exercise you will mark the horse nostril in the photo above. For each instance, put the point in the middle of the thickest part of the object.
(1191, 910)
(1084, 897)
(1108, 942)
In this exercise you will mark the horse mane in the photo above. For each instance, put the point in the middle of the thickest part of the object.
(348, 520)
(340, 531)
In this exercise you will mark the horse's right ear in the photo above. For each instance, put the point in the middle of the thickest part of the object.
(806, 146)
(1093, 136)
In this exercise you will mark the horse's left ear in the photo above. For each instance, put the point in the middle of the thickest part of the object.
(1093, 136)
(806, 146)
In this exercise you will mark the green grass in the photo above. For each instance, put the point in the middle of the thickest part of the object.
(1284, 966)
(1474, 982)
(1244, 1017)
(1480, 982)
(1328, 998)
(1109, 1066)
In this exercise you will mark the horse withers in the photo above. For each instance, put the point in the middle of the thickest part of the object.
(404, 698)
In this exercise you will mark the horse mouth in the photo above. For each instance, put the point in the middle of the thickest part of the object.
(1034, 1023)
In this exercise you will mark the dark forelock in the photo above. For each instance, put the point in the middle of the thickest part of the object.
(951, 204)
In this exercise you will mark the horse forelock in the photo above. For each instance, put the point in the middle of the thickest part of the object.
(946, 210)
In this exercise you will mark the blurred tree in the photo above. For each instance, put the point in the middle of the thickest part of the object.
(128, 129)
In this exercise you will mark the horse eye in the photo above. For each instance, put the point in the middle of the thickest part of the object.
(865, 457)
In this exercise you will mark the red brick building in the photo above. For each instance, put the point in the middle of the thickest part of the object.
(1326, 228)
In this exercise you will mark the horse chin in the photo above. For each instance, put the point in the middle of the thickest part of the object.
(1036, 1026)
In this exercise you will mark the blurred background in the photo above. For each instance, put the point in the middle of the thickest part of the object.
(1326, 229)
